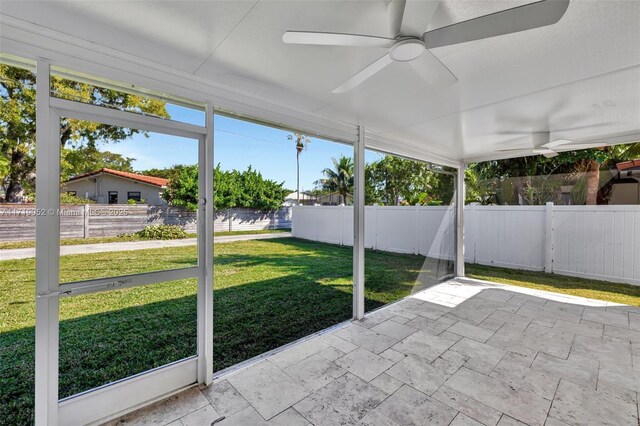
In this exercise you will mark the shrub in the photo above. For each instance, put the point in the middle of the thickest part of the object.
(66, 198)
(182, 190)
(162, 232)
(232, 189)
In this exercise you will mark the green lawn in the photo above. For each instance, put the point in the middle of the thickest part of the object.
(267, 293)
(594, 289)
(125, 238)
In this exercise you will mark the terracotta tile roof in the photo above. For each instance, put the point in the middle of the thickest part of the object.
(626, 165)
(151, 180)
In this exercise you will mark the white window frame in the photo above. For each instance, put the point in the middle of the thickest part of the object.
(129, 393)
(134, 192)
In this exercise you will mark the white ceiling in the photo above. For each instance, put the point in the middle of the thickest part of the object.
(585, 70)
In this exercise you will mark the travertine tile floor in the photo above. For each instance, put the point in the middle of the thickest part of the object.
(461, 353)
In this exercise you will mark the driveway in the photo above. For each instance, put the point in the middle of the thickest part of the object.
(25, 253)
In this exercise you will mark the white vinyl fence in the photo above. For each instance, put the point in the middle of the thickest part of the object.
(418, 230)
(598, 242)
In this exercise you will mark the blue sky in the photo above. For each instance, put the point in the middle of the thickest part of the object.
(238, 144)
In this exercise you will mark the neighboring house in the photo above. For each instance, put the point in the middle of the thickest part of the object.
(334, 199)
(107, 186)
(305, 199)
(311, 200)
(626, 183)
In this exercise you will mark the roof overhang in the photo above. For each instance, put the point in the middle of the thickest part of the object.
(97, 174)
(586, 66)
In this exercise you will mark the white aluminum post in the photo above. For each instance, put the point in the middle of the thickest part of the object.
(474, 229)
(47, 251)
(205, 254)
(548, 238)
(358, 227)
(459, 244)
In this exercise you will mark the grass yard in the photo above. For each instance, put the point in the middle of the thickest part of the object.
(267, 293)
(594, 289)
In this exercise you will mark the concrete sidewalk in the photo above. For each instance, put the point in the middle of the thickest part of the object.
(25, 253)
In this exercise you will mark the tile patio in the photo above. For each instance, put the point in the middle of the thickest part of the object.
(463, 352)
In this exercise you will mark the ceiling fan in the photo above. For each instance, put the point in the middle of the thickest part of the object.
(541, 138)
(543, 145)
(410, 18)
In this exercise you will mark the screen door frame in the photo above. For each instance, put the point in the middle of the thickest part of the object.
(112, 399)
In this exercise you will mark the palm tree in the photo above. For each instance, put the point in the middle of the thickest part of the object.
(589, 168)
(302, 142)
(339, 179)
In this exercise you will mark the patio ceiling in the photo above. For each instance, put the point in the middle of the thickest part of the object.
(583, 71)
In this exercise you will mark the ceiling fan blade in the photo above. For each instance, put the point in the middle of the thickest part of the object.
(521, 18)
(335, 39)
(546, 152)
(434, 72)
(417, 15)
(396, 12)
(549, 153)
(364, 74)
(556, 142)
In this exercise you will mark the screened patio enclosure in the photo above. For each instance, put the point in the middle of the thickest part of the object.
(577, 80)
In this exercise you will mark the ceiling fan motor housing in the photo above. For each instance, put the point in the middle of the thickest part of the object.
(407, 50)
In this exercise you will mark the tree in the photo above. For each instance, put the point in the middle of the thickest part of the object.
(17, 123)
(4, 167)
(167, 173)
(589, 165)
(86, 159)
(339, 179)
(182, 190)
(255, 192)
(518, 180)
(537, 179)
(395, 181)
(302, 143)
(477, 189)
(232, 188)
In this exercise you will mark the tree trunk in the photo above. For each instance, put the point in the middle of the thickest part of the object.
(593, 182)
(518, 191)
(14, 192)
